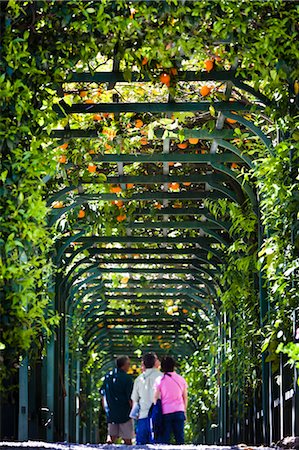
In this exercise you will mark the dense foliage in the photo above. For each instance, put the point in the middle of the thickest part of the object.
(43, 42)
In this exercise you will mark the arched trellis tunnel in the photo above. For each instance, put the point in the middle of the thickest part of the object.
(146, 205)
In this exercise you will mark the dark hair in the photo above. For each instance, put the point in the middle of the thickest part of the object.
(149, 360)
(167, 364)
(121, 361)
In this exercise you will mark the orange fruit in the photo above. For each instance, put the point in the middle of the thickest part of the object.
(107, 146)
(234, 166)
(144, 61)
(130, 186)
(143, 141)
(157, 205)
(97, 117)
(91, 152)
(62, 159)
(183, 145)
(88, 101)
(171, 163)
(173, 71)
(64, 146)
(187, 183)
(121, 218)
(165, 78)
(81, 214)
(58, 205)
(193, 140)
(118, 203)
(124, 280)
(115, 189)
(205, 90)
(92, 168)
(83, 94)
(138, 123)
(230, 120)
(185, 311)
(209, 64)
(174, 186)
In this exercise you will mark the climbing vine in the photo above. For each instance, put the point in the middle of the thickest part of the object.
(158, 40)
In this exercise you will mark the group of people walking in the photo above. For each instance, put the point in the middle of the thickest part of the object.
(159, 394)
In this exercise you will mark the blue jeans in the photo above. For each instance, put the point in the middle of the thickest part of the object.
(143, 432)
(173, 423)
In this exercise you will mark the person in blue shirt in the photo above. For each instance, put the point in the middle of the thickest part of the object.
(116, 392)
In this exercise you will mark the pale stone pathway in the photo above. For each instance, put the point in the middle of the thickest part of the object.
(32, 445)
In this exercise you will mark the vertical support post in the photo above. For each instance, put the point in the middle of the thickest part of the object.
(78, 399)
(295, 398)
(264, 311)
(281, 397)
(223, 433)
(50, 386)
(270, 403)
(23, 400)
(89, 407)
(66, 386)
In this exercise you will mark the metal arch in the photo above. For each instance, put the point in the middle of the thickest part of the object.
(66, 244)
(204, 243)
(154, 261)
(197, 297)
(78, 199)
(244, 185)
(195, 252)
(257, 131)
(219, 75)
(96, 338)
(229, 146)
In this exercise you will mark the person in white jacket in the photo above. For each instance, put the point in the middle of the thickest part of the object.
(143, 396)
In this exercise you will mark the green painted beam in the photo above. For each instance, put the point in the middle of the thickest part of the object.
(201, 158)
(146, 261)
(143, 196)
(147, 297)
(148, 271)
(149, 319)
(171, 211)
(159, 179)
(93, 108)
(160, 281)
(133, 290)
(147, 251)
(94, 134)
(120, 77)
(144, 240)
(178, 225)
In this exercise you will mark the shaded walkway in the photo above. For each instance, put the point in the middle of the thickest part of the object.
(64, 446)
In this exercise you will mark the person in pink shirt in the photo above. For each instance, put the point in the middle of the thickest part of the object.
(172, 389)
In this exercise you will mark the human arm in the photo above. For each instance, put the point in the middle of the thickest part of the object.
(157, 393)
(129, 391)
(135, 397)
(185, 397)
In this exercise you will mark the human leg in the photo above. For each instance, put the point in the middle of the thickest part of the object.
(165, 437)
(178, 422)
(113, 433)
(143, 432)
(126, 431)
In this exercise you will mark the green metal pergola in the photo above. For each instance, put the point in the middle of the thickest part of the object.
(173, 255)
